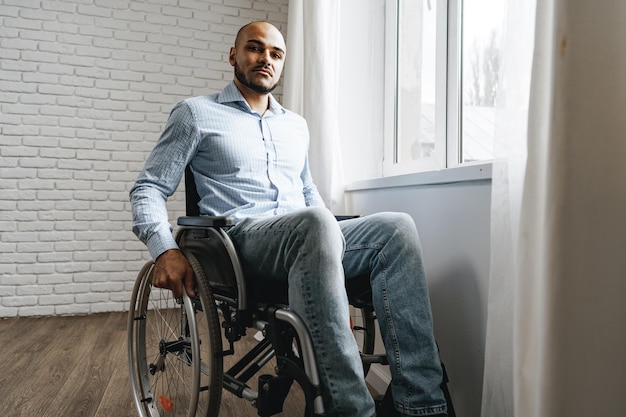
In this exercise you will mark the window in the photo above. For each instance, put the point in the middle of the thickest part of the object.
(442, 62)
(480, 63)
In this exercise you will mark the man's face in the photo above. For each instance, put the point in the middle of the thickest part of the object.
(258, 57)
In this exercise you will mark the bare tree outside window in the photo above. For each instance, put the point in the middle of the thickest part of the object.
(482, 23)
(484, 68)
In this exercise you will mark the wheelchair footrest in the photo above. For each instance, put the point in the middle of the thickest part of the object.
(374, 358)
(272, 393)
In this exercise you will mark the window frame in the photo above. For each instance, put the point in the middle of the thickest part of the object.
(448, 108)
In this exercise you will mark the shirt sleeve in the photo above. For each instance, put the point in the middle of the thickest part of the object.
(159, 179)
(312, 196)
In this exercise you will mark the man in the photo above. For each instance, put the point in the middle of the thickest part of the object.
(249, 159)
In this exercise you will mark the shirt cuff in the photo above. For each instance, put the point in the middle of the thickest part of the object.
(157, 244)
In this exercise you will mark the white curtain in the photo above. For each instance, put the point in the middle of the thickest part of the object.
(507, 182)
(311, 86)
(556, 338)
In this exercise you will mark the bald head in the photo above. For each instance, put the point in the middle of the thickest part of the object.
(259, 24)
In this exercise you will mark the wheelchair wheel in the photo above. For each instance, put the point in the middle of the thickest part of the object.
(174, 350)
(364, 331)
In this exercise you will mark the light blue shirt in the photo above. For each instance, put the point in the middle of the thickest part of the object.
(244, 164)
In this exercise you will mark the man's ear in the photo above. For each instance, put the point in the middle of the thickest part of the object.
(231, 56)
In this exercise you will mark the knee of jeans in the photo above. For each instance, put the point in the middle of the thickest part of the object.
(319, 224)
(395, 220)
(396, 224)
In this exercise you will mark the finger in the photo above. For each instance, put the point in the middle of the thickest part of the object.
(189, 282)
(162, 280)
(177, 288)
(157, 277)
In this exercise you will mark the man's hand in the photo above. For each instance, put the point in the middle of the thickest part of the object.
(172, 271)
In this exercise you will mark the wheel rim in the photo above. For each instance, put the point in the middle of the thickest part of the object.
(166, 345)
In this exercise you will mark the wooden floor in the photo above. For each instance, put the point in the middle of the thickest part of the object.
(77, 366)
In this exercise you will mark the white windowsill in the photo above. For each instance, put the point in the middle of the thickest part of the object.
(470, 172)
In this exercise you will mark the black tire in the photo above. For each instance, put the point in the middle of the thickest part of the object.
(174, 349)
(365, 334)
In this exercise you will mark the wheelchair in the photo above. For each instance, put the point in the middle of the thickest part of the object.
(175, 346)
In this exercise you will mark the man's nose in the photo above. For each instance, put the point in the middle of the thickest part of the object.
(265, 57)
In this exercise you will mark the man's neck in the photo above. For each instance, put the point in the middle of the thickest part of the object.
(258, 102)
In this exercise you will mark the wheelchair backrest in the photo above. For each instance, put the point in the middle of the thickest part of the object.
(192, 198)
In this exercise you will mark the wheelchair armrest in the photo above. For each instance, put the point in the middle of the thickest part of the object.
(341, 217)
(222, 221)
(206, 221)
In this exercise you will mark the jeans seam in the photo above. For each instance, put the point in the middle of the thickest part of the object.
(390, 325)
(315, 331)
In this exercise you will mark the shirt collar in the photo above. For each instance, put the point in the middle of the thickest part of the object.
(231, 94)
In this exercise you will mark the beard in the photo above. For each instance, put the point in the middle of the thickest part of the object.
(256, 87)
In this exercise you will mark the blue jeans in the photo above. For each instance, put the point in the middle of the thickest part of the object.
(315, 253)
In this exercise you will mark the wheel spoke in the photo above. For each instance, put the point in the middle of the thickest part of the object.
(172, 352)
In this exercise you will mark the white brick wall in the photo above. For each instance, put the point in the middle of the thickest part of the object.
(85, 90)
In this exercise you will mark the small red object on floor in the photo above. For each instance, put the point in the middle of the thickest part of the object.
(166, 403)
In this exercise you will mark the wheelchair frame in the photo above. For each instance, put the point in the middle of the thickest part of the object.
(220, 287)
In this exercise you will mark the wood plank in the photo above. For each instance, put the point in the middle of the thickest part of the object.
(40, 366)
(42, 382)
(86, 384)
(118, 399)
(77, 366)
